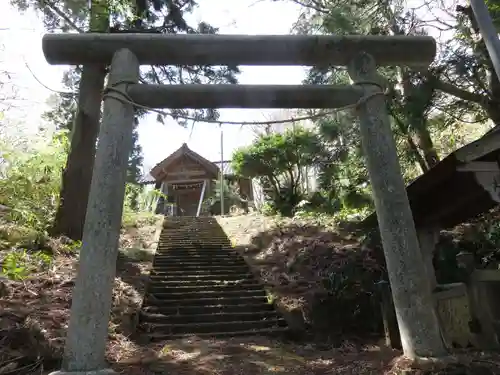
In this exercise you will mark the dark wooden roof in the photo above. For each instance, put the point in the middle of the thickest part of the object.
(445, 196)
(160, 169)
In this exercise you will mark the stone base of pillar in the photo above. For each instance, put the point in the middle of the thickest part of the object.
(106, 371)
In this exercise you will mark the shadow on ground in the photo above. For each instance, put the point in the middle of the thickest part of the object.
(132, 269)
(327, 278)
(34, 313)
(256, 355)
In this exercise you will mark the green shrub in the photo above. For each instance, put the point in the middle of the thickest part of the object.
(18, 264)
(30, 182)
(268, 209)
(17, 236)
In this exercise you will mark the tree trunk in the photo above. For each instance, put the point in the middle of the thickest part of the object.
(418, 123)
(493, 105)
(420, 160)
(425, 142)
(77, 175)
(416, 116)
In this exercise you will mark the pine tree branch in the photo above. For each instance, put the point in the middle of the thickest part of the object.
(58, 12)
(460, 93)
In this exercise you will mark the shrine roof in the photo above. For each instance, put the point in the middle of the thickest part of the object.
(449, 193)
(160, 169)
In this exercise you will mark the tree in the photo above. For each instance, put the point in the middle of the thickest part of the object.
(459, 87)
(411, 97)
(64, 105)
(77, 174)
(10, 127)
(454, 86)
(6, 89)
(30, 179)
(342, 176)
(63, 115)
(278, 160)
(143, 15)
(134, 169)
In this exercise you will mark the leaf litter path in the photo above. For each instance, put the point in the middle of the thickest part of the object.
(256, 355)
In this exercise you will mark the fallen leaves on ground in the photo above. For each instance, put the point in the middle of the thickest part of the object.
(34, 315)
(143, 234)
(460, 362)
(255, 355)
(264, 356)
(322, 276)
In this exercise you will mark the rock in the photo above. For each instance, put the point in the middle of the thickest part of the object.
(8, 368)
(4, 209)
(4, 287)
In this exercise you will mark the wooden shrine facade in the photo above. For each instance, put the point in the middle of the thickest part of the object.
(187, 179)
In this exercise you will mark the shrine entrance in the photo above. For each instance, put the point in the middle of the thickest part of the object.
(186, 179)
(186, 197)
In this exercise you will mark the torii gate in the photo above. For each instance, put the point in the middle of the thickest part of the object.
(92, 296)
(488, 32)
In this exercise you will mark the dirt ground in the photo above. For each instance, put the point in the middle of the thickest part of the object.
(256, 355)
(240, 229)
(263, 356)
(34, 315)
(143, 234)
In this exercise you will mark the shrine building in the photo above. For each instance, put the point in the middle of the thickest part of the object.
(187, 179)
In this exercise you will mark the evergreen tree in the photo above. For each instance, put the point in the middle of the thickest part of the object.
(165, 16)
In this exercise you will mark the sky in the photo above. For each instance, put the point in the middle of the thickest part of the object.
(32, 77)
(21, 36)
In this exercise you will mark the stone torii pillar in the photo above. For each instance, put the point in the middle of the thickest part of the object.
(92, 295)
(419, 326)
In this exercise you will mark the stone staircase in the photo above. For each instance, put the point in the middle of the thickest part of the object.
(200, 286)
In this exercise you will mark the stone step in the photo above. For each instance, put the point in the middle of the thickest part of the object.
(192, 254)
(192, 250)
(198, 239)
(185, 256)
(170, 245)
(269, 332)
(208, 309)
(216, 277)
(199, 263)
(212, 327)
(176, 268)
(197, 259)
(200, 294)
(161, 288)
(195, 236)
(214, 301)
(208, 246)
(207, 318)
(200, 285)
(159, 271)
(195, 239)
(171, 283)
(189, 250)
